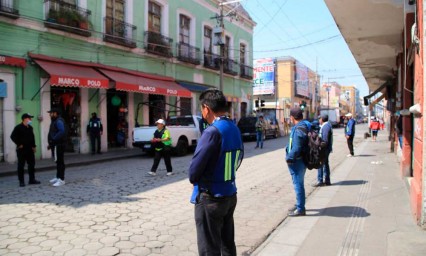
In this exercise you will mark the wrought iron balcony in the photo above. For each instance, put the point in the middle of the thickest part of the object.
(158, 44)
(246, 71)
(211, 60)
(7, 8)
(230, 67)
(67, 17)
(120, 32)
(188, 53)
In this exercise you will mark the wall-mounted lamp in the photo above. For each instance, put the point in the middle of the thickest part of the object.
(18, 108)
(416, 109)
(40, 118)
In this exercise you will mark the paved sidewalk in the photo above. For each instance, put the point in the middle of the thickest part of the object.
(365, 212)
(74, 159)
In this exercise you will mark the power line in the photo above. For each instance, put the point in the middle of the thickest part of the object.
(301, 46)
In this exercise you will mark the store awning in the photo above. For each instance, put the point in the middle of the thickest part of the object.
(12, 61)
(62, 74)
(134, 83)
(193, 86)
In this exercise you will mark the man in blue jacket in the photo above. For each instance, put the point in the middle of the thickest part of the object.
(212, 170)
(297, 145)
(350, 134)
(326, 134)
(57, 139)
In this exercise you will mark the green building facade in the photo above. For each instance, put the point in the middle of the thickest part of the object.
(126, 60)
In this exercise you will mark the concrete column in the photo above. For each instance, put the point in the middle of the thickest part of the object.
(102, 107)
(145, 110)
(45, 104)
(9, 104)
(130, 117)
(84, 120)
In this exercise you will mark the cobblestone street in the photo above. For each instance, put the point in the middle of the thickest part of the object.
(114, 208)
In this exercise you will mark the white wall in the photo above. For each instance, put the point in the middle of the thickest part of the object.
(9, 104)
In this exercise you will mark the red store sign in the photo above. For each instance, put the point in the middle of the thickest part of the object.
(12, 61)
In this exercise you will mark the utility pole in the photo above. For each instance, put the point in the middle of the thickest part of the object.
(222, 48)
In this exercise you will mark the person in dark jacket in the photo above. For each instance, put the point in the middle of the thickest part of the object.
(350, 133)
(326, 134)
(297, 145)
(23, 137)
(57, 142)
(95, 130)
(212, 170)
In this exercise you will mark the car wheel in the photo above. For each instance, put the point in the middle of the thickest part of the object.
(182, 147)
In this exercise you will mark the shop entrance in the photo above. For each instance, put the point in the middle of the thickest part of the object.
(117, 127)
(156, 108)
(67, 100)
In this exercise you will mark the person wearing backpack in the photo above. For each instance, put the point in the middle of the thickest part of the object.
(57, 139)
(297, 146)
(326, 135)
(162, 143)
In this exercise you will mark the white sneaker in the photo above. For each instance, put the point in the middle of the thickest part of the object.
(54, 180)
(169, 173)
(152, 173)
(349, 155)
(59, 183)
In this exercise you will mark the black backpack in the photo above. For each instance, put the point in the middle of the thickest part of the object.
(315, 150)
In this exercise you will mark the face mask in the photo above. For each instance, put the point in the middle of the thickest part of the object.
(29, 122)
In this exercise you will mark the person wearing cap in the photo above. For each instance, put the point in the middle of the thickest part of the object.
(95, 130)
(326, 134)
(212, 170)
(162, 145)
(260, 130)
(350, 133)
(297, 145)
(23, 136)
(57, 139)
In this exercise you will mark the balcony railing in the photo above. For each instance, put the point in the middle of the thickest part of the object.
(230, 67)
(7, 8)
(158, 44)
(246, 71)
(211, 60)
(67, 17)
(120, 32)
(188, 53)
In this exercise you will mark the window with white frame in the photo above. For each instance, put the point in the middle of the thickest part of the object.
(154, 17)
(207, 42)
(184, 28)
(242, 54)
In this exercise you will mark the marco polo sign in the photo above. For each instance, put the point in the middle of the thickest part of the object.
(78, 82)
(12, 61)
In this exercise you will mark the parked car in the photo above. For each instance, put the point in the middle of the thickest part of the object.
(247, 126)
(184, 132)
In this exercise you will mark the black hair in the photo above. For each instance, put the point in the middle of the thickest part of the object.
(324, 118)
(214, 99)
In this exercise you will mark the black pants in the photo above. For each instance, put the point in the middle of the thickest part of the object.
(59, 158)
(165, 153)
(93, 139)
(351, 144)
(214, 220)
(26, 155)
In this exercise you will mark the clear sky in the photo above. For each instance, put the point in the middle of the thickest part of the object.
(306, 31)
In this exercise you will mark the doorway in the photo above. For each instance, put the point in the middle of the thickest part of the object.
(117, 123)
(157, 108)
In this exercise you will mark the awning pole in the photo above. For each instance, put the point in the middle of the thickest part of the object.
(40, 89)
(96, 92)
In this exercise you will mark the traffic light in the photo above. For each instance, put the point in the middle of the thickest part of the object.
(262, 103)
(256, 103)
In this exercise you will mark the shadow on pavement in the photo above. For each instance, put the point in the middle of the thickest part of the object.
(350, 182)
(339, 211)
(364, 155)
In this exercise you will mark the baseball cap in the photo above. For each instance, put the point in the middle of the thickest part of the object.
(26, 115)
(348, 114)
(160, 121)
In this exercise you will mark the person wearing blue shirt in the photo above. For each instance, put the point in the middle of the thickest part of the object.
(350, 134)
(212, 170)
(297, 145)
(57, 142)
(326, 134)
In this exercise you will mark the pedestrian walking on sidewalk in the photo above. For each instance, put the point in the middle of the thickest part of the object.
(375, 127)
(23, 136)
(57, 139)
(162, 145)
(297, 145)
(350, 133)
(326, 134)
(217, 157)
(95, 130)
(260, 131)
